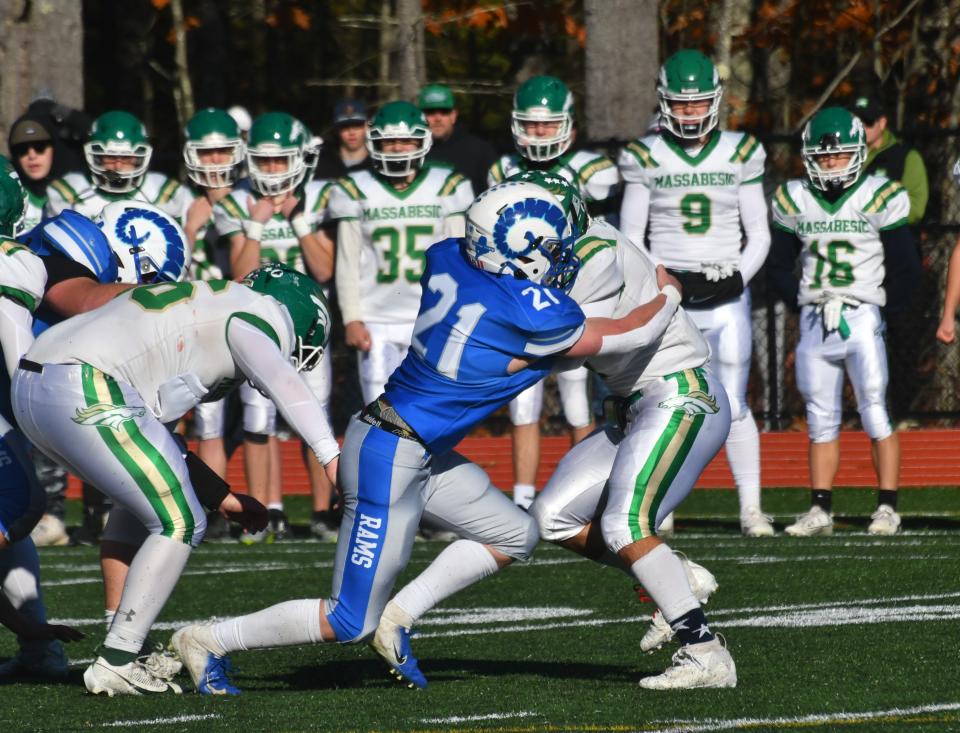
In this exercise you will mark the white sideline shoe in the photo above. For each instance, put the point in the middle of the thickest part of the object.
(885, 521)
(696, 665)
(665, 528)
(813, 522)
(50, 531)
(703, 583)
(754, 523)
(133, 678)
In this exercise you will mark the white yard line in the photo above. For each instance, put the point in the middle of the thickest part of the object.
(707, 726)
(475, 718)
(159, 721)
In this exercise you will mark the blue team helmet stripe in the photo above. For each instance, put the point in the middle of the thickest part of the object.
(88, 247)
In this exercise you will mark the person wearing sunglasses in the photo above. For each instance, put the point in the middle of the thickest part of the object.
(32, 154)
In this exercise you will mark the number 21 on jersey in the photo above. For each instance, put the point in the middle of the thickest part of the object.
(458, 332)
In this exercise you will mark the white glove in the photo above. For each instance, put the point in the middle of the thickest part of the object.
(830, 306)
(717, 271)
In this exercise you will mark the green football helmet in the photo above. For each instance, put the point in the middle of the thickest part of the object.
(212, 131)
(118, 135)
(542, 99)
(689, 76)
(11, 206)
(831, 131)
(398, 121)
(276, 148)
(306, 304)
(565, 192)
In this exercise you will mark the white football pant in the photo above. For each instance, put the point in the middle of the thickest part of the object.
(388, 347)
(526, 407)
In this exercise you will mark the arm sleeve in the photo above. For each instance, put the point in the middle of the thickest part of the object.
(915, 181)
(901, 261)
(753, 214)
(347, 270)
(258, 357)
(633, 212)
(60, 268)
(16, 334)
(784, 248)
(643, 336)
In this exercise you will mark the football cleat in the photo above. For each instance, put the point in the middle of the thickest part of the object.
(754, 523)
(204, 659)
(46, 660)
(885, 521)
(703, 584)
(103, 678)
(392, 642)
(708, 664)
(815, 521)
(50, 531)
(263, 537)
(159, 662)
(324, 527)
(279, 526)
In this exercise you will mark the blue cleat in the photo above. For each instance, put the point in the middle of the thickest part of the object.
(392, 643)
(206, 662)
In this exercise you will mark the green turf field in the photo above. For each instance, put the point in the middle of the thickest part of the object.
(840, 633)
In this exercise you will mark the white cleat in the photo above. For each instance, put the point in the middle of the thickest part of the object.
(813, 522)
(885, 521)
(703, 584)
(50, 531)
(665, 528)
(158, 661)
(754, 523)
(708, 664)
(102, 678)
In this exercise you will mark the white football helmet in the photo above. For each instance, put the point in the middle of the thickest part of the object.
(149, 244)
(520, 229)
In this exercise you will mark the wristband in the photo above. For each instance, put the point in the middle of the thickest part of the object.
(253, 229)
(671, 293)
(301, 227)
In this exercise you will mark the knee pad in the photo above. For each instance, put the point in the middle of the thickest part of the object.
(208, 420)
(823, 426)
(553, 525)
(525, 408)
(876, 421)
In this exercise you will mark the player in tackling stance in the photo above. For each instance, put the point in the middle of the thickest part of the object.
(494, 319)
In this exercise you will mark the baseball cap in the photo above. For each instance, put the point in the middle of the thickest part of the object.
(435, 96)
(28, 131)
(868, 109)
(349, 111)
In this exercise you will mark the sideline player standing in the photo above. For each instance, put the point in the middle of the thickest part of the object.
(849, 232)
(494, 319)
(544, 130)
(693, 186)
(387, 218)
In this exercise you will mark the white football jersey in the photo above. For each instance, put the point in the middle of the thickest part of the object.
(600, 277)
(594, 175)
(173, 348)
(76, 191)
(23, 278)
(694, 211)
(842, 251)
(33, 211)
(680, 347)
(397, 228)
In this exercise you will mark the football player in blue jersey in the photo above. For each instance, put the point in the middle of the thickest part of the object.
(494, 319)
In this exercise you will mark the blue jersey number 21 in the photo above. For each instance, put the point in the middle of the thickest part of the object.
(467, 318)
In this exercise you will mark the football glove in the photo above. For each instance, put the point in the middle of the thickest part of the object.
(699, 292)
(717, 271)
(830, 306)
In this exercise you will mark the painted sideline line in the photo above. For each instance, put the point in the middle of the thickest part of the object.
(703, 726)
(473, 718)
(159, 721)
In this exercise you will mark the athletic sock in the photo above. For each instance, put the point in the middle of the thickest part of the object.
(290, 623)
(275, 506)
(153, 574)
(661, 574)
(743, 455)
(888, 497)
(822, 498)
(461, 564)
(691, 627)
(108, 617)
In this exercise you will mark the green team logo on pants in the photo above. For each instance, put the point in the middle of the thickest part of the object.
(107, 415)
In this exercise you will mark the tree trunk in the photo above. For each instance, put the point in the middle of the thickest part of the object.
(41, 52)
(408, 47)
(621, 67)
(183, 89)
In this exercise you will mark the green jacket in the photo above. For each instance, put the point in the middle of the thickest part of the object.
(892, 158)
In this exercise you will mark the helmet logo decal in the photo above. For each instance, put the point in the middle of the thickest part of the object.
(529, 213)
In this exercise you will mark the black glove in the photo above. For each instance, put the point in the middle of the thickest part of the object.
(700, 293)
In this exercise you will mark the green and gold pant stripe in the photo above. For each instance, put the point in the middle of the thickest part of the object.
(666, 459)
(145, 464)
